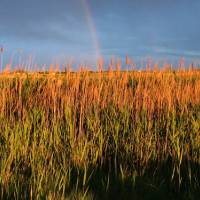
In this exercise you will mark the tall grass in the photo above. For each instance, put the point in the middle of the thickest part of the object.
(87, 135)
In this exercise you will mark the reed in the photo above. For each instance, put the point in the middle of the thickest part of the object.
(87, 135)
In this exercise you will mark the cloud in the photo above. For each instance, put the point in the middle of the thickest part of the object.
(40, 19)
(134, 27)
(173, 52)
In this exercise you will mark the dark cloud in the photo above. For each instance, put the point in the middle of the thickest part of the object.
(135, 27)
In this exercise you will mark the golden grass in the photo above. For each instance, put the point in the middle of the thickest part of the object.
(127, 123)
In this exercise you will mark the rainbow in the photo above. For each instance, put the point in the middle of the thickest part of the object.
(92, 27)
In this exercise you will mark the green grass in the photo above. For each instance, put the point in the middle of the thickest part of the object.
(85, 136)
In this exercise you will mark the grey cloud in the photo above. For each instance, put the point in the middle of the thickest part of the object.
(122, 26)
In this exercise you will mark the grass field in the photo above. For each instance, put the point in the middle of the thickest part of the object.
(108, 135)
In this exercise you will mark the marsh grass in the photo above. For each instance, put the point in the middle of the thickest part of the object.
(100, 135)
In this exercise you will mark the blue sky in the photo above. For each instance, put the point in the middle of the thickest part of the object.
(58, 30)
